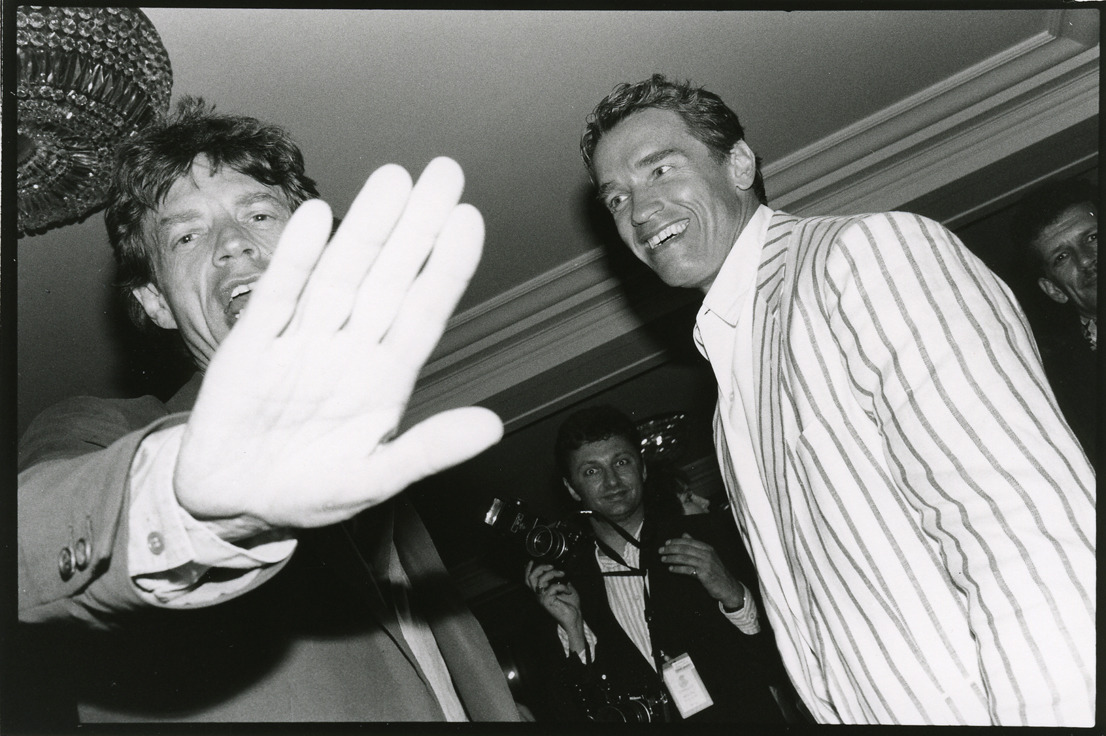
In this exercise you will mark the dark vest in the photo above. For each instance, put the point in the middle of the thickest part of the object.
(736, 668)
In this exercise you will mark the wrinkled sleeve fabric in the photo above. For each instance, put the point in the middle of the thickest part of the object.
(74, 502)
(170, 552)
(941, 358)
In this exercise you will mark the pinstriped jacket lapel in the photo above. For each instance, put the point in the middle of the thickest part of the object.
(769, 312)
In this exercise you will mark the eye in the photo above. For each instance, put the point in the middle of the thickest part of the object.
(661, 170)
(184, 240)
(1060, 259)
(263, 216)
(615, 203)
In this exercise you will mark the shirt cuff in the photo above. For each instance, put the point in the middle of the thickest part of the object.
(746, 618)
(168, 550)
(589, 638)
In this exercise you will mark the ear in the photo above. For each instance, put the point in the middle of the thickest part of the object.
(571, 491)
(155, 306)
(1052, 290)
(742, 166)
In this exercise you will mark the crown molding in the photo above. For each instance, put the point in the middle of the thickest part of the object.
(1035, 89)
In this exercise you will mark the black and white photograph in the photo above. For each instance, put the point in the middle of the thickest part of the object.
(551, 367)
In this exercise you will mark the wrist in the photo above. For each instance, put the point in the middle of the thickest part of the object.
(733, 604)
(237, 530)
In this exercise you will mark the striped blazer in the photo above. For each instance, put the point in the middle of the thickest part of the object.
(921, 517)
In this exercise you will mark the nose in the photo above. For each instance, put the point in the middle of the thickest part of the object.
(610, 479)
(233, 241)
(1086, 257)
(645, 205)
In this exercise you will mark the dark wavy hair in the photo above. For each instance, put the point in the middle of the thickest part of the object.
(592, 424)
(707, 118)
(148, 165)
(1041, 208)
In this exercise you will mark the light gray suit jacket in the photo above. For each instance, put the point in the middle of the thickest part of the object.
(313, 638)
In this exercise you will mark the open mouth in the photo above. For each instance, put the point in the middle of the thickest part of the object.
(667, 234)
(239, 298)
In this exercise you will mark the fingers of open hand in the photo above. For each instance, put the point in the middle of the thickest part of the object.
(429, 208)
(277, 293)
(433, 296)
(430, 446)
(332, 291)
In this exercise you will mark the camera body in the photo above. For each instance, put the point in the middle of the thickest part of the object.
(603, 705)
(543, 540)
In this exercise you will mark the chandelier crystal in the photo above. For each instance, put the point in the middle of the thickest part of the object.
(88, 79)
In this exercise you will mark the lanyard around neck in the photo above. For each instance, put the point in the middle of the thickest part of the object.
(607, 550)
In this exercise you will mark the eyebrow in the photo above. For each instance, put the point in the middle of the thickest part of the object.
(244, 201)
(647, 160)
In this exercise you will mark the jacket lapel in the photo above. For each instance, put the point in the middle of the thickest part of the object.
(477, 676)
(772, 292)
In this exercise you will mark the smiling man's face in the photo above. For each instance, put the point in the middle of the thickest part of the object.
(676, 206)
(608, 477)
(213, 236)
(1068, 252)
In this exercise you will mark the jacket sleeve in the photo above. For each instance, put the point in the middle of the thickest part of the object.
(942, 359)
(73, 505)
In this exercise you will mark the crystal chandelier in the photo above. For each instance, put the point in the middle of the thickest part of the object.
(663, 437)
(88, 79)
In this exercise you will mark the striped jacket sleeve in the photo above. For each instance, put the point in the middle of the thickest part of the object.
(942, 360)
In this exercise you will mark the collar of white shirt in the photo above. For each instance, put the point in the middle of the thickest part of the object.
(739, 271)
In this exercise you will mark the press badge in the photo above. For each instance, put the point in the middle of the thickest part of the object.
(685, 686)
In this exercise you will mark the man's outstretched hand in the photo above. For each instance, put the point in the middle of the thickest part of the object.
(294, 423)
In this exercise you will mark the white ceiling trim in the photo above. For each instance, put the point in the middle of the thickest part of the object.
(977, 117)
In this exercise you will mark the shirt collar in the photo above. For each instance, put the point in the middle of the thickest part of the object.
(627, 546)
(739, 271)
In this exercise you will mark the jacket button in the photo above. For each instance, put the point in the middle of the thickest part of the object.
(80, 554)
(155, 543)
(65, 563)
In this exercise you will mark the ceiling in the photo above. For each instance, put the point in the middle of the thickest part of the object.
(957, 112)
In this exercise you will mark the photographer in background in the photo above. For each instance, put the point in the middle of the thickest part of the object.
(1055, 229)
(654, 618)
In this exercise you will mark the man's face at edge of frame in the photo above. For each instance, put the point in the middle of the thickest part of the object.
(1068, 252)
(212, 237)
(675, 205)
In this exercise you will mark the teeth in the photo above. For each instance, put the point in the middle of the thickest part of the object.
(240, 290)
(674, 229)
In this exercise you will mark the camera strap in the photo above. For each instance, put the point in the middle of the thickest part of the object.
(630, 569)
(607, 550)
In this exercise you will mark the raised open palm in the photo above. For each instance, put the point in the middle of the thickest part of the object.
(295, 420)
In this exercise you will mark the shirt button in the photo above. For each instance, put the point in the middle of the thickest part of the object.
(80, 554)
(65, 563)
(155, 543)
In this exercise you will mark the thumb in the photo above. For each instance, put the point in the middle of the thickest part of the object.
(437, 443)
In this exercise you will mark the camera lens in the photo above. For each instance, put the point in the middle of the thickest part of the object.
(630, 711)
(545, 543)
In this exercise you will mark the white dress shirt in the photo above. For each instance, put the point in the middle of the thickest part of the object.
(921, 518)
